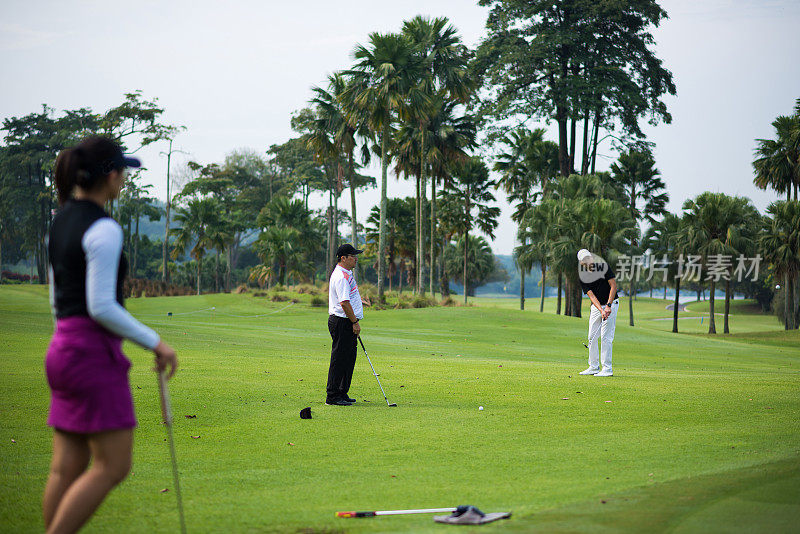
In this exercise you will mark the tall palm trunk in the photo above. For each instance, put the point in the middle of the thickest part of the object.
(382, 224)
(228, 269)
(567, 298)
(199, 269)
(420, 226)
(791, 324)
(522, 279)
(558, 301)
(725, 329)
(544, 285)
(216, 272)
(712, 326)
(433, 231)
(675, 306)
(135, 248)
(353, 221)
(444, 281)
(630, 301)
(466, 241)
(422, 238)
(417, 227)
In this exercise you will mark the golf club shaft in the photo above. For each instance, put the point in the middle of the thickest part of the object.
(166, 412)
(373, 370)
(396, 512)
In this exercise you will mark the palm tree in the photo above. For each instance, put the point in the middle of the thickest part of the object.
(346, 123)
(383, 80)
(715, 224)
(778, 161)
(480, 262)
(536, 235)
(400, 242)
(660, 240)
(447, 80)
(472, 186)
(522, 168)
(196, 220)
(639, 184)
(282, 254)
(780, 245)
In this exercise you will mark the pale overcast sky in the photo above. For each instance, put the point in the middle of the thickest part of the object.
(233, 72)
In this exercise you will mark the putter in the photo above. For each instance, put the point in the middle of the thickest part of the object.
(166, 412)
(394, 404)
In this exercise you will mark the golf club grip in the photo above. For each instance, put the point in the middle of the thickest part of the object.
(355, 514)
(362, 344)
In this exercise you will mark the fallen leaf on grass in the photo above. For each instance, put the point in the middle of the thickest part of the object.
(195, 437)
(164, 490)
(607, 401)
(13, 441)
(290, 444)
(603, 502)
(650, 474)
(190, 416)
(394, 476)
(564, 398)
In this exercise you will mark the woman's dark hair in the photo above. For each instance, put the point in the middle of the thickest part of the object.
(85, 165)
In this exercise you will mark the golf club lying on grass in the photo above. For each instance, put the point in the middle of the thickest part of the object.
(394, 404)
(461, 515)
(166, 412)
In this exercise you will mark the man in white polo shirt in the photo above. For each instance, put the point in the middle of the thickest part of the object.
(344, 311)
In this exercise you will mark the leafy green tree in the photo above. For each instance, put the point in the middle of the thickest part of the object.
(780, 244)
(644, 192)
(574, 60)
(294, 164)
(777, 164)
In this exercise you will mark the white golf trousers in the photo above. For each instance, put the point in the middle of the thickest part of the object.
(605, 336)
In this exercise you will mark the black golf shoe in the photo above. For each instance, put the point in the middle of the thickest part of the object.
(337, 402)
(348, 399)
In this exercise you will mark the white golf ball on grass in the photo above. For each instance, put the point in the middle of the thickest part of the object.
(480, 408)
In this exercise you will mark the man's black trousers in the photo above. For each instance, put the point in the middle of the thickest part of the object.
(343, 356)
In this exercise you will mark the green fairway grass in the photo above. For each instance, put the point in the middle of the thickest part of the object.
(694, 433)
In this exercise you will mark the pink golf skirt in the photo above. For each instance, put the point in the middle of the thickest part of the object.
(88, 378)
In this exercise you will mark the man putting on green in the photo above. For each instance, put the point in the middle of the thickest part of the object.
(344, 311)
(599, 283)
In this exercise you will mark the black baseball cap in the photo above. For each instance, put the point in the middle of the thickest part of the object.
(347, 250)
